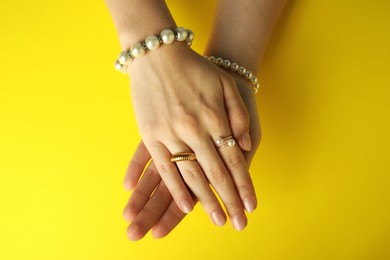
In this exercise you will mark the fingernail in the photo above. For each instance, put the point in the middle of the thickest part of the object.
(186, 206)
(239, 222)
(127, 186)
(218, 218)
(246, 142)
(249, 204)
(128, 216)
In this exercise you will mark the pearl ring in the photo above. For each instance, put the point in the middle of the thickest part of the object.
(227, 141)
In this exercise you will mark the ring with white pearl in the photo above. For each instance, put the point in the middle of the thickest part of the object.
(227, 141)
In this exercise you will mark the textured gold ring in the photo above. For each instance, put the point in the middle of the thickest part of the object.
(227, 141)
(185, 156)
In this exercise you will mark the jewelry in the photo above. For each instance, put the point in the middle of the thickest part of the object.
(225, 141)
(184, 156)
(152, 42)
(241, 70)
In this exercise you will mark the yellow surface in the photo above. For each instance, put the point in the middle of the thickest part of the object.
(67, 132)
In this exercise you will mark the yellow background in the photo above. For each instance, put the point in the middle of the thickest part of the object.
(67, 132)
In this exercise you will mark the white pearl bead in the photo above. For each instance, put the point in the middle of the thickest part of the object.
(181, 34)
(219, 61)
(167, 36)
(254, 79)
(152, 42)
(124, 58)
(226, 63)
(190, 37)
(234, 66)
(248, 74)
(231, 142)
(120, 67)
(218, 141)
(241, 70)
(137, 50)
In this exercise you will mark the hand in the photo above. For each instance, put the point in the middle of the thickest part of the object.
(183, 103)
(157, 211)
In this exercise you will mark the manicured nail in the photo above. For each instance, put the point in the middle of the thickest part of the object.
(246, 142)
(239, 222)
(186, 206)
(249, 204)
(218, 218)
(127, 216)
(127, 186)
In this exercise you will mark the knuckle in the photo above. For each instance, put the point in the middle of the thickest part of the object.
(234, 161)
(153, 173)
(165, 168)
(176, 215)
(189, 120)
(189, 123)
(177, 193)
(139, 195)
(190, 175)
(234, 207)
(151, 212)
(217, 175)
(245, 190)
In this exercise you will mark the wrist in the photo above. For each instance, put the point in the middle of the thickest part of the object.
(161, 59)
(153, 42)
(128, 35)
(238, 69)
(233, 54)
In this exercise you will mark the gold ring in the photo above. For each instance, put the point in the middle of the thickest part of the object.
(177, 157)
(227, 141)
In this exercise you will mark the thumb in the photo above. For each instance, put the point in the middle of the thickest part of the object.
(237, 113)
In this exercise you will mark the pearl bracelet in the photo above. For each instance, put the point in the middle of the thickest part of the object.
(152, 42)
(241, 70)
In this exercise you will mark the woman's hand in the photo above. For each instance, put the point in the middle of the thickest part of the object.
(151, 205)
(183, 103)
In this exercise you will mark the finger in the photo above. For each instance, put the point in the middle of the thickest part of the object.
(171, 218)
(220, 179)
(171, 176)
(213, 167)
(195, 179)
(136, 166)
(236, 164)
(237, 113)
(248, 158)
(142, 192)
(151, 213)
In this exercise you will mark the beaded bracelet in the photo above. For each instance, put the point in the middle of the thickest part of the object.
(138, 49)
(241, 70)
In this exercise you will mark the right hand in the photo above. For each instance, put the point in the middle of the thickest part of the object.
(183, 103)
(150, 205)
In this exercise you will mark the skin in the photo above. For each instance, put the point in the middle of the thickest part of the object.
(151, 206)
(156, 201)
(197, 103)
